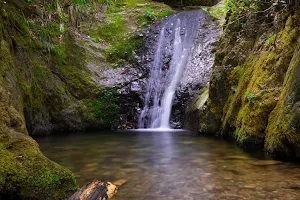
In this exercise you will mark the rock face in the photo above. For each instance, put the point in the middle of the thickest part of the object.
(197, 69)
(24, 172)
(76, 76)
(254, 86)
(198, 116)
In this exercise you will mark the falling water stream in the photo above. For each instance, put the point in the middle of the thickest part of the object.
(175, 43)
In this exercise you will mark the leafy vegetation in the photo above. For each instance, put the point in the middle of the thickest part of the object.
(122, 52)
(150, 16)
(240, 10)
(271, 40)
(251, 98)
(106, 108)
(122, 32)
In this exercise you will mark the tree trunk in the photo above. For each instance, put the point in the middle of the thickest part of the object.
(97, 190)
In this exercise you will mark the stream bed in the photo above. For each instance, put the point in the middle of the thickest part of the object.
(173, 165)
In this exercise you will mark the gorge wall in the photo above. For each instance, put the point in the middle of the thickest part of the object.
(254, 89)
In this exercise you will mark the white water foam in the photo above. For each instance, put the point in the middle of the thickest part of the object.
(163, 80)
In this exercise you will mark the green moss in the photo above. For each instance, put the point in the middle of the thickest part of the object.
(122, 51)
(271, 40)
(150, 16)
(282, 134)
(121, 32)
(251, 117)
(27, 174)
(78, 82)
(240, 76)
(259, 87)
(113, 30)
(24, 172)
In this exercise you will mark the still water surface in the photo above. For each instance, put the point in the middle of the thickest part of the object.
(173, 165)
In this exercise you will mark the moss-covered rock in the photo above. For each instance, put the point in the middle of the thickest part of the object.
(253, 86)
(27, 174)
(61, 69)
(24, 172)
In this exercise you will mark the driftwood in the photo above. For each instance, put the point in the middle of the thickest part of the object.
(97, 190)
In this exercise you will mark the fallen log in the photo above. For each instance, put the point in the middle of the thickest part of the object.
(97, 190)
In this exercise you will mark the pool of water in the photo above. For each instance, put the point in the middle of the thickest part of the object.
(173, 165)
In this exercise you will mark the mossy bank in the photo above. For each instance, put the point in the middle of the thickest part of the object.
(254, 86)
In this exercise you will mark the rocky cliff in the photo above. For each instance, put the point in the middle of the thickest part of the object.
(254, 86)
(70, 58)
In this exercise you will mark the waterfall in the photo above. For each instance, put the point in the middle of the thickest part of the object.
(176, 68)
(174, 44)
(153, 83)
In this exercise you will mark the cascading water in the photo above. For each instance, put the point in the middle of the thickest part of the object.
(173, 48)
(179, 58)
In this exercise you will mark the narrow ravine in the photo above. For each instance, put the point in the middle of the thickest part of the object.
(163, 99)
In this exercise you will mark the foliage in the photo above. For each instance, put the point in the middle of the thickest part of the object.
(122, 31)
(147, 17)
(123, 50)
(251, 98)
(113, 30)
(106, 108)
(82, 3)
(271, 40)
(242, 10)
(150, 16)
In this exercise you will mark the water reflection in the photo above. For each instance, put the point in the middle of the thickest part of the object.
(173, 165)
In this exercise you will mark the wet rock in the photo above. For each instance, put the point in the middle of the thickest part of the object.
(197, 115)
(200, 60)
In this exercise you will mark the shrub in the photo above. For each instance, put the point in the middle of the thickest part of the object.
(106, 108)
